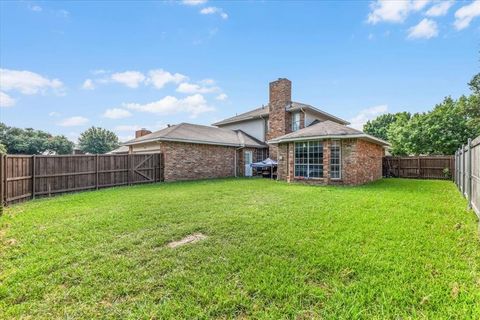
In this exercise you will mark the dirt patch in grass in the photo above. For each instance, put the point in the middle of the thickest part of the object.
(187, 240)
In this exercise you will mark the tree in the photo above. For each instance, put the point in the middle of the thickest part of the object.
(398, 134)
(474, 84)
(379, 126)
(446, 128)
(439, 131)
(98, 140)
(30, 141)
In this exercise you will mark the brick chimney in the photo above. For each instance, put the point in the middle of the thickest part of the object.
(142, 132)
(279, 119)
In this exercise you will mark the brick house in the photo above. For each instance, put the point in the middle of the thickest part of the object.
(309, 144)
(193, 151)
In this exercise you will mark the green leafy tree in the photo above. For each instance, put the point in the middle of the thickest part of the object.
(98, 140)
(399, 135)
(474, 84)
(3, 149)
(379, 126)
(446, 127)
(30, 141)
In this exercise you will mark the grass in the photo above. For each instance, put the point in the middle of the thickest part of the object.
(390, 249)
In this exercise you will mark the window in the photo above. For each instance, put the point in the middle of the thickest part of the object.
(309, 159)
(295, 121)
(335, 160)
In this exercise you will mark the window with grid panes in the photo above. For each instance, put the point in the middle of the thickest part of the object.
(309, 159)
(335, 160)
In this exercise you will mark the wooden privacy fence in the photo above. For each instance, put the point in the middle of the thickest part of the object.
(423, 167)
(467, 173)
(26, 177)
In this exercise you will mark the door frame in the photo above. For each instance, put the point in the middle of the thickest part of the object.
(245, 163)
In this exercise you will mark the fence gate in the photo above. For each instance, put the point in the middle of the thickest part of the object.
(145, 168)
(26, 177)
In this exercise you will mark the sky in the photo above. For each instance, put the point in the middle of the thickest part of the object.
(67, 66)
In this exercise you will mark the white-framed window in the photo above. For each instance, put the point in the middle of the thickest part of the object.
(295, 121)
(335, 160)
(309, 159)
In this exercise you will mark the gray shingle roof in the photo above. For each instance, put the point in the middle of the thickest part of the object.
(121, 149)
(262, 112)
(327, 129)
(194, 133)
(249, 115)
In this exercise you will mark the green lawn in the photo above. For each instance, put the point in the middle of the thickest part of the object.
(392, 249)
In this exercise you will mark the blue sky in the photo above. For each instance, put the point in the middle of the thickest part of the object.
(125, 65)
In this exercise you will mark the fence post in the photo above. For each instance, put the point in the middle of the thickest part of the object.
(96, 171)
(456, 168)
(463, 170)
(2, 177)
(419, 167)
(33, 177)
(469, 175)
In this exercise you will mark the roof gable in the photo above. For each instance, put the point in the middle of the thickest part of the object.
(327, 129)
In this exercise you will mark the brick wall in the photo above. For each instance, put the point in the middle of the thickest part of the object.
(190, 161)
(368, 164)
(361, 163)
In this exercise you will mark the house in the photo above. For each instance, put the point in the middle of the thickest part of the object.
(192, 151)
(309, 144)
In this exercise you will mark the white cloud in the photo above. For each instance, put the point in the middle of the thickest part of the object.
(364, 115)
(63, 13)
(426, 29)
(207, 82)
(466, 14)
(159, 78)
(117, 113)
(99, 71)
(131, 128)
(193, 105)
(190, 88)
(73, 121)
(440, 9)
(35, 8)
(214, 10)
(27, 82)
(193, 2)
(393, 11)
(88, 84)
(54, 114)
(221, 97)
(6, 100)
(419, 4)
(131, 79)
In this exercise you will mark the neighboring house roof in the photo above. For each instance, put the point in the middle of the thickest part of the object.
(194, 133)
(262, 112)
(327, 129)
(121, 149)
